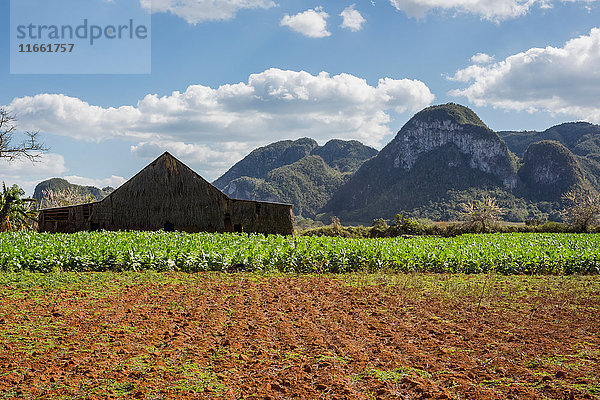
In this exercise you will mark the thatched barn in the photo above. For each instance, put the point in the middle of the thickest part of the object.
(169, 195)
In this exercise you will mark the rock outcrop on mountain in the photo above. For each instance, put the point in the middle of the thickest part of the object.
(582, 139)
(60, 192)
(454, 126)
(549, 170)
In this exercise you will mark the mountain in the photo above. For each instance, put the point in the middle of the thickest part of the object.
(261, 161)
(440, 152)
(307, 183)
(549, 170)
(299, 172)
(582, 138)
(57, 192)
(345, 156)
(442, 157)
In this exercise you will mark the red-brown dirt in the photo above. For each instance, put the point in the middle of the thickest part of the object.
(303, 337)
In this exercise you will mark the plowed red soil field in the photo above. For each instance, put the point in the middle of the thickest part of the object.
(249, 336)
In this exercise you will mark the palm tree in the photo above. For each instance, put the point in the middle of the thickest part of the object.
(16, 213)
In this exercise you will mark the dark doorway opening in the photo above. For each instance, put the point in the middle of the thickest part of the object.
(169, 227)
(228, 224)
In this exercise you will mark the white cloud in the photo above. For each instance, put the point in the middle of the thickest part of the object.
(46, 164)
(563, 80)
(213, 128)
(482, 58)
(27, 174)
(113, 181)
(195, 11)
(56, 113)
(493, 10)
(272, 105)
(311, 23)
(352, 19)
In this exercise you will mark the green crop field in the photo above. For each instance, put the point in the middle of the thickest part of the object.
(517, 253)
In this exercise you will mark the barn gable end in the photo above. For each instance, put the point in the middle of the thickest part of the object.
(169, 195)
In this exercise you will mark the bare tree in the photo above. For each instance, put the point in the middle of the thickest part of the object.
(482, 213)
(29, 148)
(582, 208)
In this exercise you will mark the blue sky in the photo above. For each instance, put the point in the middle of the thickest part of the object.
(228, 76)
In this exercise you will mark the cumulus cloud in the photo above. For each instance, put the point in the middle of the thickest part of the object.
(482, 58)
(271, 105)
(195, 11)
(47, 164)
(70, 116)
(353, 20)
(27, 174)
(493, 10)
(311, 23)
(563, 80)
(212, 128)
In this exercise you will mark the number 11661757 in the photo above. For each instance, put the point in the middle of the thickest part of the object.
(46, 48)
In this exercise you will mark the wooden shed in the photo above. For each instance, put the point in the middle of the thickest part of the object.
(168, 195)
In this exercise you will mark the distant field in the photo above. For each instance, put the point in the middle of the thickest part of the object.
(514, 253)
(208, 335)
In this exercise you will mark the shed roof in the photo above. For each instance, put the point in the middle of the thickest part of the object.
(168, 161)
